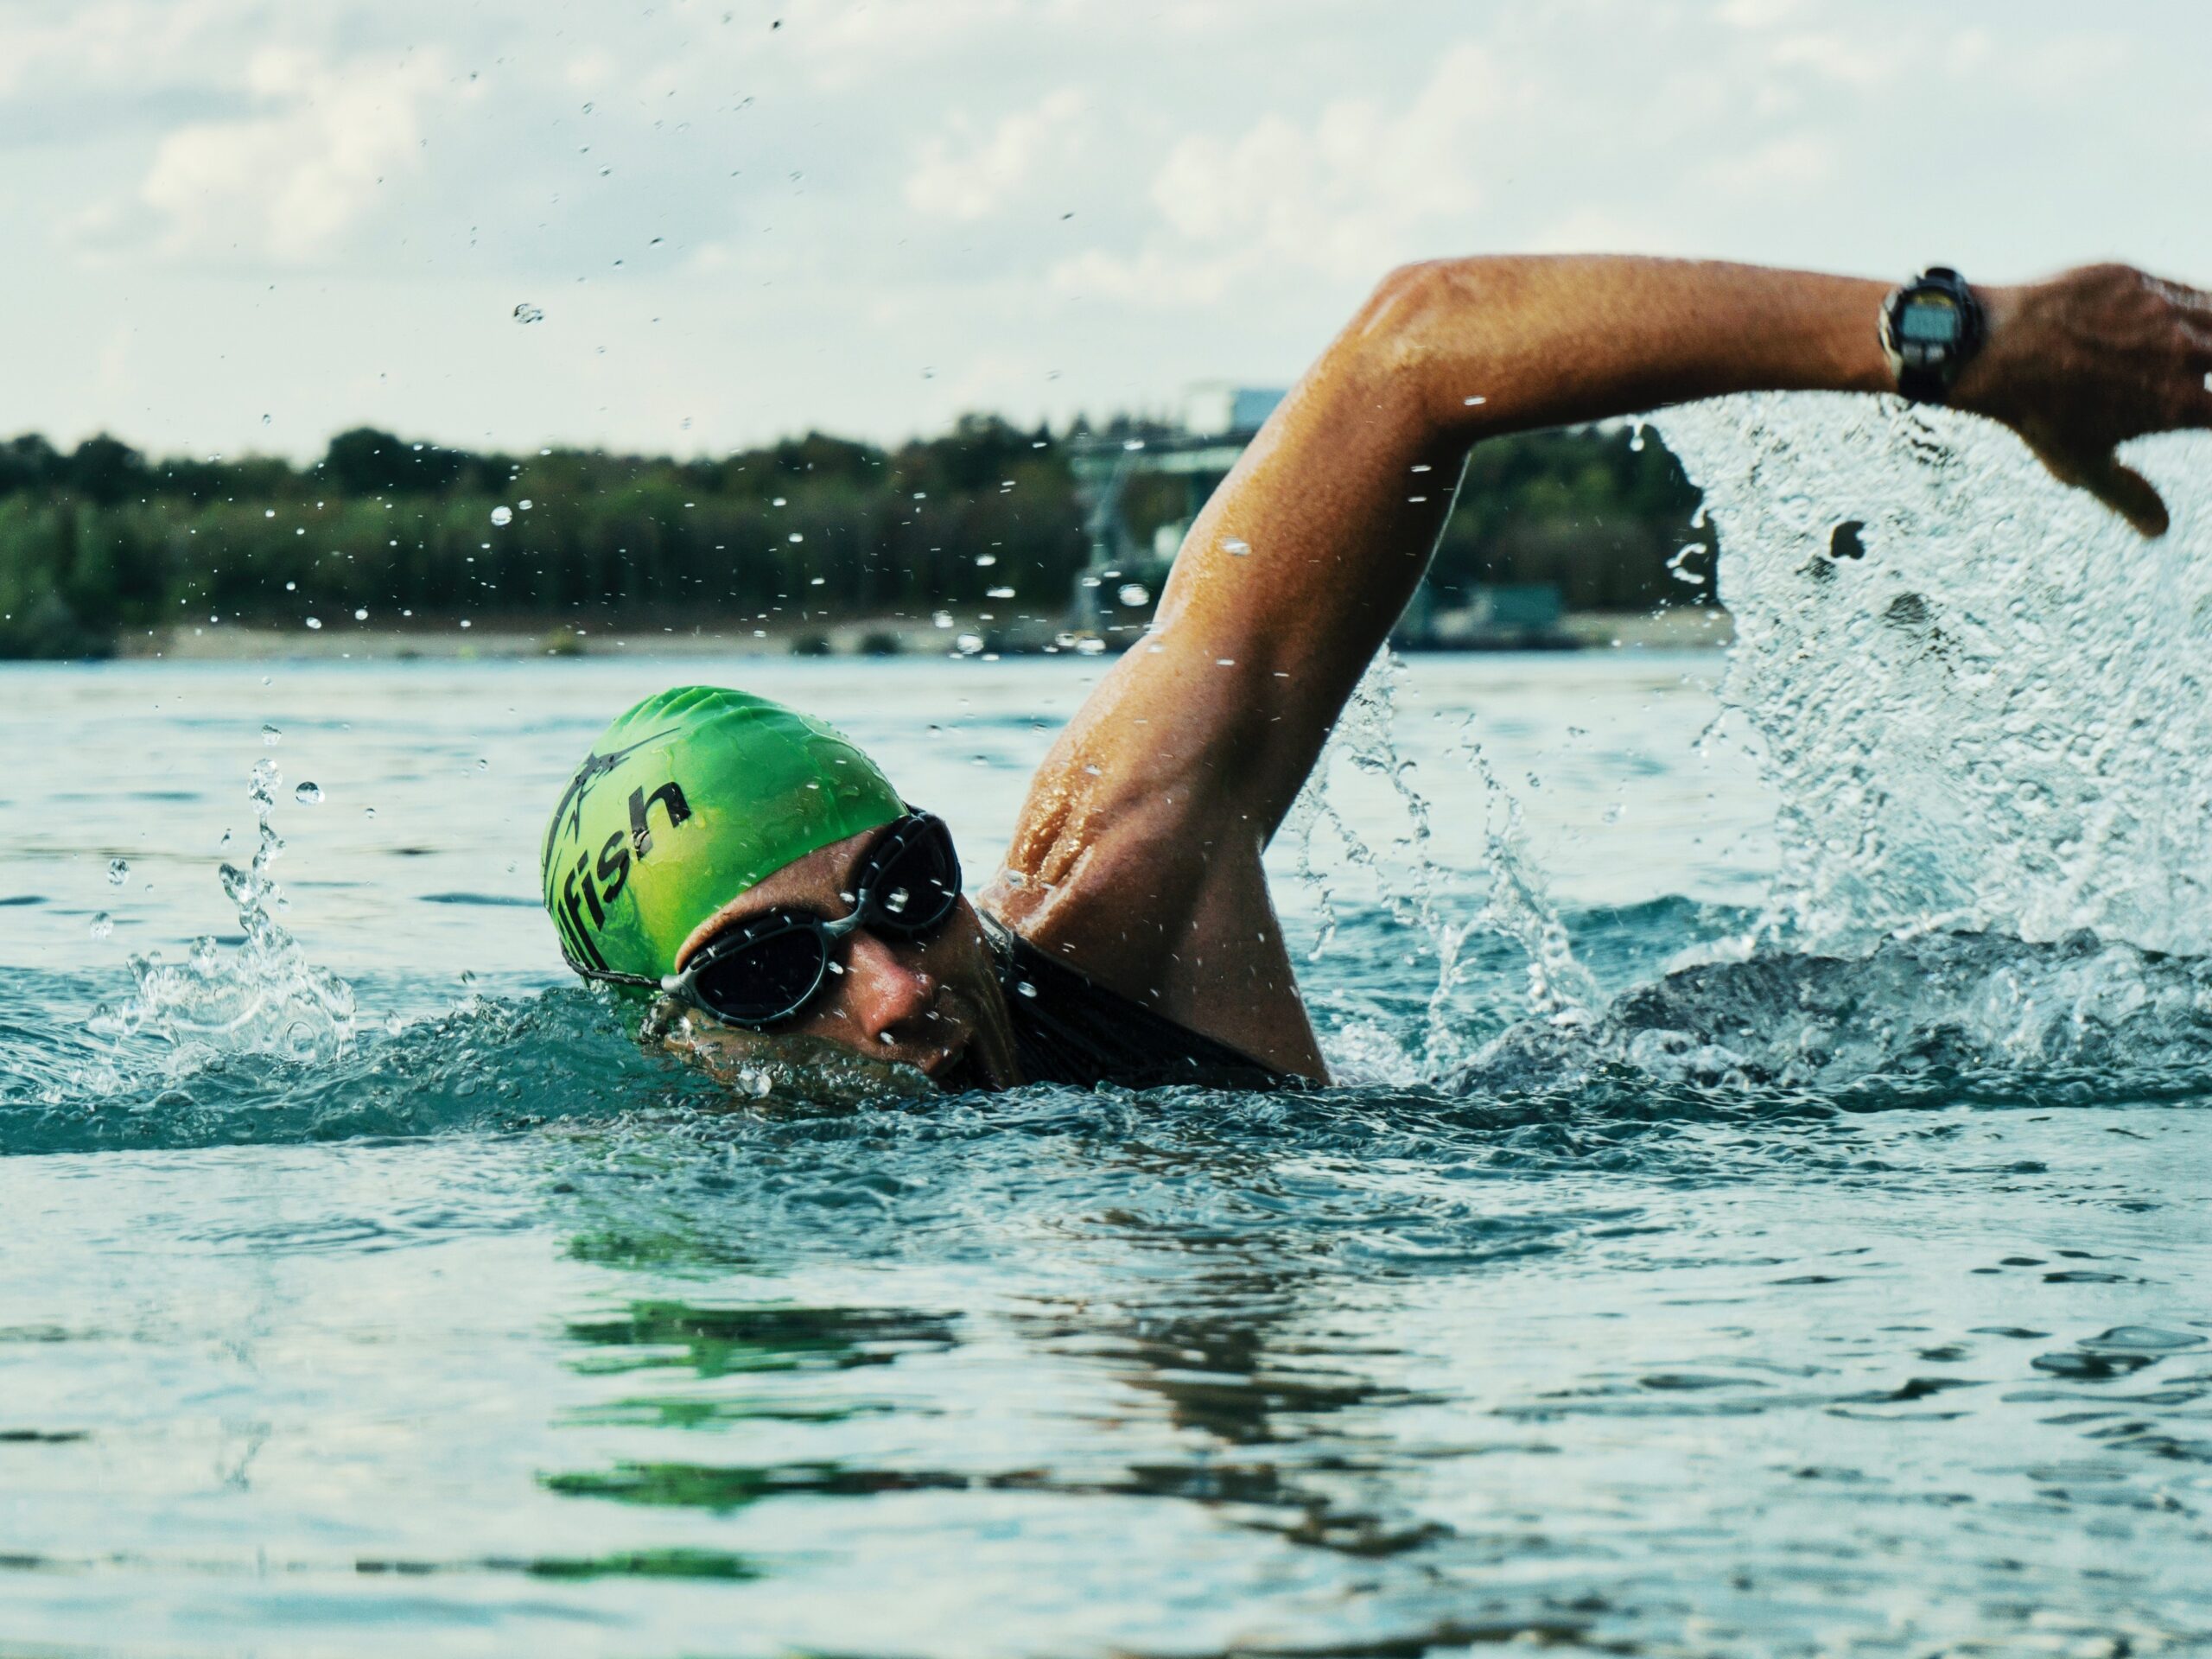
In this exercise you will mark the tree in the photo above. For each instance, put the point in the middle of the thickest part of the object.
(365, 462)
(106, 471)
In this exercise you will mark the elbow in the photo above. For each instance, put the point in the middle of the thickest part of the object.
(1404, 302)
(1392, 342)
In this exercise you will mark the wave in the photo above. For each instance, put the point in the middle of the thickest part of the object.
(1962, 1014)
(1940, 1020)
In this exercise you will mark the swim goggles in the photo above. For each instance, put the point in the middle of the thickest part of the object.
(772, 968)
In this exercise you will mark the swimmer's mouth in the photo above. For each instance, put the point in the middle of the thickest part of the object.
(950, 1069)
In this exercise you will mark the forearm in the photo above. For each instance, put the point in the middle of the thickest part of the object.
(1506, 344)
(1298, 565)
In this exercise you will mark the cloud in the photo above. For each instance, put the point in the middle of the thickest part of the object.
(1362, 186)
(963, 178)
(285, 184)
(1794, 163)
(807, 216)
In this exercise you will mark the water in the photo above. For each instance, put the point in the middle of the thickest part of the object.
(1713, 1246)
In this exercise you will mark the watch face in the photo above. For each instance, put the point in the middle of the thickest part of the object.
(1928, 320)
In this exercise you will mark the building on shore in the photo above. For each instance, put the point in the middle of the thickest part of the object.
(1120, 582)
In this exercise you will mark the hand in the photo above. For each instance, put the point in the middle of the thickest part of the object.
(2079, 365)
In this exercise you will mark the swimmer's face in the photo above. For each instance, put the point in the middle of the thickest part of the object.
(933, 1003)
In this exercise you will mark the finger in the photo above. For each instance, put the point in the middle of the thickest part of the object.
(2127, 493)
(2194, 301)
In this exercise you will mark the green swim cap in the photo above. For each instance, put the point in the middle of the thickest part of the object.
(682, 804)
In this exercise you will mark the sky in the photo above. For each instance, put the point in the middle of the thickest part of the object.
(245, 225)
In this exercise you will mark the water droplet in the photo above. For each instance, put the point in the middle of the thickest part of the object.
(314, 622)
(272, 736)
(524, 504)
(308, 794)
(483, 765)
(1024, 987)
(1132, 593)
(368, 811)
(942, 619)
(795, 537)
(502, 515)
(999, 593)
(1235, 546)
(528, 312)
(118, 871)
(984, 561)
(969, 644)
(265, 419)
(1473, 403)
(103, 924)
(895, 901)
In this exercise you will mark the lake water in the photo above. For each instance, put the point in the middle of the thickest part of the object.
(1692, 1258)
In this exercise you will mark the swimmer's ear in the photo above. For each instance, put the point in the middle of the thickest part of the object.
(2123, 489)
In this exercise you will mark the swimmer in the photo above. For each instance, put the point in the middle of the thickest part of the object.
(756, 868)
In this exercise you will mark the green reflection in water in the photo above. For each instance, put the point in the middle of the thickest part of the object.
(730, 1487)
(725, 1341)
(693, 1411)
(672, 1563)
(675, 1562)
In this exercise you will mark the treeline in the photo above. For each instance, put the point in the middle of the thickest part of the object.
(102, 541)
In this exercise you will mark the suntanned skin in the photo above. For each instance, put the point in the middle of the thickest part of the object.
(1137, 855)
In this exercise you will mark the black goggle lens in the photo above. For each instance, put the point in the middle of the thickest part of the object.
(913, 886)
(766, 978)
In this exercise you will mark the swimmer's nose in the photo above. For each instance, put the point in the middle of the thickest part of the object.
(883, 991)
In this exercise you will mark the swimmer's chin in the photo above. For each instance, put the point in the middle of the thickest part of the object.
(788, 1065)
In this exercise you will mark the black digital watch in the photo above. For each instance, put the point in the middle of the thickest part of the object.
(1931, 327)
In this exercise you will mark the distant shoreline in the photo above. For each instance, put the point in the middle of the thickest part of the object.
(1680, 628)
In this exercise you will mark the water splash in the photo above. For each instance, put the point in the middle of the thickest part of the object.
(1975, 697)
(1978, 696)
(262, 996)
(1414, 889)
(1519, 907)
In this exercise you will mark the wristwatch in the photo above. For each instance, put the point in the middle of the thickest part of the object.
(1931, 327)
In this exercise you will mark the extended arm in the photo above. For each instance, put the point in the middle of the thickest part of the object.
(1139, 848)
